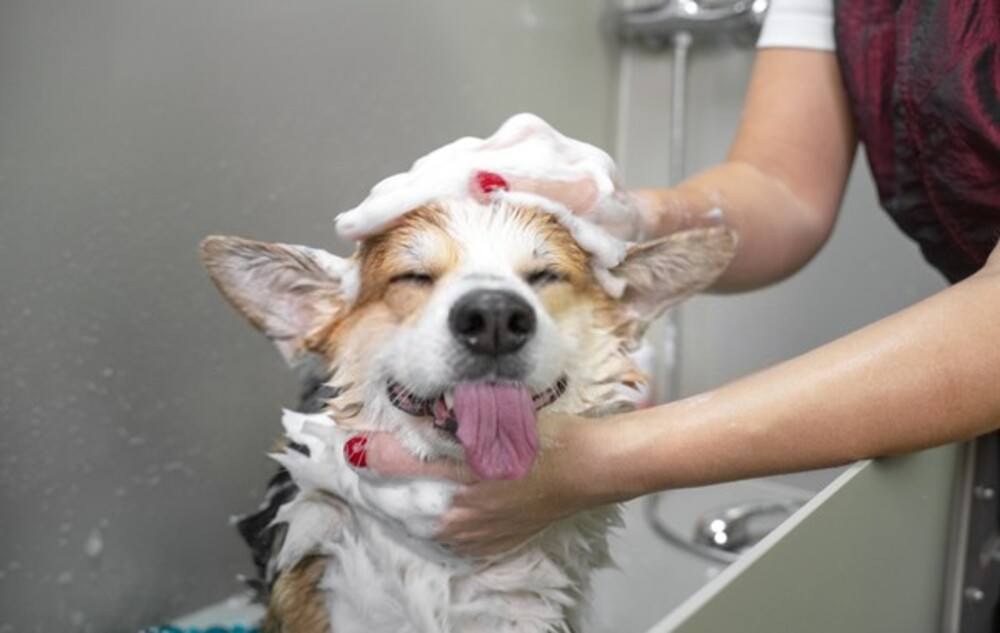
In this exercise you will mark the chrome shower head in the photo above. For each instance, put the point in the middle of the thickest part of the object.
(659, 22)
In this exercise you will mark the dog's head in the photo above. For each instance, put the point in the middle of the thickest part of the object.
(457, 324)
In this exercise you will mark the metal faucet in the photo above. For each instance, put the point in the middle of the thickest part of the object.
(732, 529)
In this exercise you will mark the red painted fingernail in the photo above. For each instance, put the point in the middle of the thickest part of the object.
(489, 181)
(356, 451)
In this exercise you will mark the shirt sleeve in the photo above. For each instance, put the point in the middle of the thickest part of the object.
(798, 24)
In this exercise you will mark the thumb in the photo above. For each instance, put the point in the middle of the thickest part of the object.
(387, 457)
(666, 211)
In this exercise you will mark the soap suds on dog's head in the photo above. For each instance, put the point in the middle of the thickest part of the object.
(525, 146)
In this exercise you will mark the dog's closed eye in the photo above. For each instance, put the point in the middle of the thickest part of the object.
(544, 276)
(413, 277)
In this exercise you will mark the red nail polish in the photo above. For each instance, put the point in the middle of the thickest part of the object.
(356, 451)
(489, 181)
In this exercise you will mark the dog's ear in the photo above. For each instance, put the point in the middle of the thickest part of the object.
(287, 292)
(666, 271)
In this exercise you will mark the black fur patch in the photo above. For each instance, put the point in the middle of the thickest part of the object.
(258, 529)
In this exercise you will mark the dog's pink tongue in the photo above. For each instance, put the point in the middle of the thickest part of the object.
(496, 426)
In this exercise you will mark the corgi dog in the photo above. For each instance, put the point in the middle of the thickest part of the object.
(455, 328)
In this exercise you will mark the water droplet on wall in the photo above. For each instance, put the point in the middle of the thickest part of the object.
(94, 544)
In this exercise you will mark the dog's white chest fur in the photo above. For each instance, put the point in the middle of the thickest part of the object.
(378, 583)
(385, 574)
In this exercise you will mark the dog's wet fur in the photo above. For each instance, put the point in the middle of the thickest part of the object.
(381, 318)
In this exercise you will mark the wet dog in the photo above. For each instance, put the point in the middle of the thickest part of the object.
(455, 329)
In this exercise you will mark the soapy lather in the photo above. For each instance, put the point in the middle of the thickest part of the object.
(525, 146)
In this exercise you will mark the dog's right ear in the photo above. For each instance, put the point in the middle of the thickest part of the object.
(287, 292)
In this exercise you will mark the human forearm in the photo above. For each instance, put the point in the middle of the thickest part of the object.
(778, 232)
(925, 376)
(781, 185)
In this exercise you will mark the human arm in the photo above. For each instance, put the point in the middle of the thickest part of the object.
(925, 376)
(922, 377)
(780, 186)
(783, 179)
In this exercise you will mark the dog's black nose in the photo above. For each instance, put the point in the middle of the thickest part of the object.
(492, 321)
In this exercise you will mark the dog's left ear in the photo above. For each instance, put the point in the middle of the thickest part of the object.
(287, 292)
(666, 271)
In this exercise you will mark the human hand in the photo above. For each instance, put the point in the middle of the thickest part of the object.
(489, 517)
(413, 505)
(641, 214)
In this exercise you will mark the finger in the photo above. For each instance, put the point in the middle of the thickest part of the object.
(467, 531)
(482, 549)
(387, 457)
(579, 196)
(455, 523)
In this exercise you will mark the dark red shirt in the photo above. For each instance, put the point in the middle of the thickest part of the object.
(923, 78)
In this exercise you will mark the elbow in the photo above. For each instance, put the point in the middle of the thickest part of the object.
(784, 233)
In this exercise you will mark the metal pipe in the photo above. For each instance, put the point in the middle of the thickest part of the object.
(678, 119)
(676, 22)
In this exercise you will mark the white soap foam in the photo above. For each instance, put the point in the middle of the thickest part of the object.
(525, 146)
